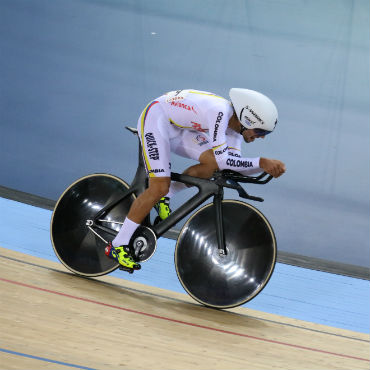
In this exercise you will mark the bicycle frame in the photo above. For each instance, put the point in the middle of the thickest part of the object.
(207, 188)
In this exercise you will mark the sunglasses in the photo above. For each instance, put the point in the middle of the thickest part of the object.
(257, 131)
(261, 132)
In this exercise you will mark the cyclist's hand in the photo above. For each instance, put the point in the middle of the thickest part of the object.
(273, 167)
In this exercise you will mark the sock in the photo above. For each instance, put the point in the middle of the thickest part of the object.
(175, 187)
(124, 235)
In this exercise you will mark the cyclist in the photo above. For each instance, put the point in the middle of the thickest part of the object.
(202, 126)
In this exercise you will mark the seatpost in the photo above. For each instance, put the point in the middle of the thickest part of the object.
(217, 202)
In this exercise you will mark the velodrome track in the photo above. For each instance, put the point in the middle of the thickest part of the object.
(53, 319)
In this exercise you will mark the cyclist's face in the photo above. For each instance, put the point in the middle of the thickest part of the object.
(250, 135)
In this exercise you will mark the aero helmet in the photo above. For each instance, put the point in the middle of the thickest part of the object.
(254, 110)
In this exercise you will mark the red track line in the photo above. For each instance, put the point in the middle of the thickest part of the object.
(182, 322)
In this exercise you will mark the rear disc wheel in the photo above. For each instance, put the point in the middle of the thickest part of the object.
(75, 245)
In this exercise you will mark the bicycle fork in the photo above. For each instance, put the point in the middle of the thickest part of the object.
(217, 202)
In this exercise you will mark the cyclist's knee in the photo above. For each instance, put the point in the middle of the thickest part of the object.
(208, 160)
(159, 186)
(209, 165)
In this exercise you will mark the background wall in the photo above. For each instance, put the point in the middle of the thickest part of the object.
(74, 72)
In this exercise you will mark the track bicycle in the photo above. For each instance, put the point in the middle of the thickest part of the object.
(225, 253)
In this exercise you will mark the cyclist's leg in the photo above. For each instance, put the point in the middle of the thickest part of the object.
(158, 188)
(156, 151)
(196, 145)
(154, 131)
(205, 168)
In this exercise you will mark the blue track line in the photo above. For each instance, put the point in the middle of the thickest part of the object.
(45, 359)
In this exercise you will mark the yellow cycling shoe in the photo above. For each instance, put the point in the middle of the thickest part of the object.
(163, 208)
(123, 256)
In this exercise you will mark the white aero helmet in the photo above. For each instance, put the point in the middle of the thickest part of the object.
(254, 110)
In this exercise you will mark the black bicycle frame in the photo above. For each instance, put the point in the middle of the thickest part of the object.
(207, 188)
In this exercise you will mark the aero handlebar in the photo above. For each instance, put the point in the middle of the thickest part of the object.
(230, 179)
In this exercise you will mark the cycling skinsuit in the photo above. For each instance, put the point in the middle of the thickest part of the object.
(189, 122)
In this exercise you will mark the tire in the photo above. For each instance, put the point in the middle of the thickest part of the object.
(232, 280)
(75, 245)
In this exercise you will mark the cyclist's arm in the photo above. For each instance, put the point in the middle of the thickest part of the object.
(234, 141)
(226, 149)
(232, 160)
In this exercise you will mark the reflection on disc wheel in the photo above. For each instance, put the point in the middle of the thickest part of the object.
(226, 281)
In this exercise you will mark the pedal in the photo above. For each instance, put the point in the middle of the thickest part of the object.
(127, 269)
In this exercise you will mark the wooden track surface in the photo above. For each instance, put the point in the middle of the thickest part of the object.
(52, 319)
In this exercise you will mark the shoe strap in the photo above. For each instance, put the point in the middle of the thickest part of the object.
(165, 200)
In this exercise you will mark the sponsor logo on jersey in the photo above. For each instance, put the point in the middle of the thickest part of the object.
(156, 170)
(201, 140)
(217, 125)
(218, 152)
(152, 147)
(174, 98)
(176, 95)
(232, 154)
(198, 127)
(238, 163)
(183, 106)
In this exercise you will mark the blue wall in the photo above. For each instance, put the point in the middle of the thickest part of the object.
(74, 72)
